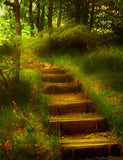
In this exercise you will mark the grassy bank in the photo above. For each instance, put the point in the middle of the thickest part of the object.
(100, 71)
(24, 132)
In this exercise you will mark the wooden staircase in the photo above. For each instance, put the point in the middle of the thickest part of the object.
(73, 115)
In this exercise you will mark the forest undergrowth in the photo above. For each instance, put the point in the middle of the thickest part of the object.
(24, 131)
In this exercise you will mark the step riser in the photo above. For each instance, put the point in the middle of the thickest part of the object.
(53, 71)
(57, 79)
(104, 151)
(78, 127)
(70, 108)
(61, 89)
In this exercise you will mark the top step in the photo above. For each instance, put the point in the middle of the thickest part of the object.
(47, 68)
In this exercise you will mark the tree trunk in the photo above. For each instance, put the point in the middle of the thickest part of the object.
(60, 14)
(31, 17)
(38, 16)
(50, 12)
(16, 9)
(77, 11)
(42, 18)
(85, 12)
(92, 14)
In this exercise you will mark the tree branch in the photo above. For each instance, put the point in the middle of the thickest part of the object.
(4, 79)
(9, 3)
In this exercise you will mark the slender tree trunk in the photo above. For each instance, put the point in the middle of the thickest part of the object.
(92, 14)
(85, 12)
(42, 18)
(77, 11)
(16, 9)
(31, 17)
(50, 12)
(60, 14)
(38, 16)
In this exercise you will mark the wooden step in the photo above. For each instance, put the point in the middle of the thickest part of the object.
(53, 70)
(62, 104)
(58, 78)
(58, 88)
(93, 147)
(75, 107)
(77, 125)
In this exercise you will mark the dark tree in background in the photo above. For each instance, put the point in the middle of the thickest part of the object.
(16, 9)
(43, 13)
(50, 13)
(60, 13)
(31, 16)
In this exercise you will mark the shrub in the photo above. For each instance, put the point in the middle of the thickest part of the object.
(7, 48)
(7, 69)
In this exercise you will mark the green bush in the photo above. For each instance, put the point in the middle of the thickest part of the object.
(7, 69)
(7, 48)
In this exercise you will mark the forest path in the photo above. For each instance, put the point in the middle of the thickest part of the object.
(73, 115)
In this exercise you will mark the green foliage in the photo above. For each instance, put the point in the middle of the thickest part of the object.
(6, 32)
(66, 37)
(22, 134)
(27, 29)
(111, 16)
(107, 14)
(69, 37)
(7, 48)
(7, 69)
(106, 66)
(27, 141)
(22, 94)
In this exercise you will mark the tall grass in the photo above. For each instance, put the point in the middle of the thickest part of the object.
(100, 72)
(23, 122)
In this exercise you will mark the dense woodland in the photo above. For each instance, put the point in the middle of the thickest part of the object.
(28, 18)
(85, 37)
(36, 16)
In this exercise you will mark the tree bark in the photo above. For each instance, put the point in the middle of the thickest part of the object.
(38, 16)
(60, 14)
(31, 17)
(77, 11)
(92, 14)
(50, 10)
(42, 18)
(85, 12)
(16, 9)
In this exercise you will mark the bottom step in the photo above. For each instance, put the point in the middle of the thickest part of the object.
(101, 158)
(95, 147)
